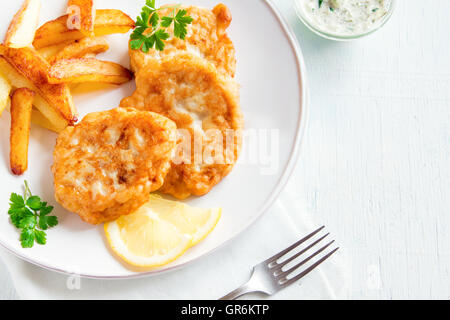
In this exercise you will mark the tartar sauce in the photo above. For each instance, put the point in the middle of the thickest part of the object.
(344, 17)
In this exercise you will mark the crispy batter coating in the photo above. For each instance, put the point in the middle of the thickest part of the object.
(192, 83)
(206, 38)
(107, 165)
(203, 103)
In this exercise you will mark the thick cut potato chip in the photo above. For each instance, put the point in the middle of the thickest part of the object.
(81, 48)
(18, 81)
(38, 119)
(25, 68)
(23, 26)
(21, 106)
(82, 15)
(88, 70)
(49, 52)
(107, 21)
(5, 90)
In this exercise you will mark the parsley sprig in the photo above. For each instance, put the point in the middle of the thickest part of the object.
(151, 29)
(31, 215)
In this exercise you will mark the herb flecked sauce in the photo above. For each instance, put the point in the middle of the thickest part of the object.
(344, 17)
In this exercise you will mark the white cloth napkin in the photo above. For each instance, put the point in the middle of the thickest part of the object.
(210, 277)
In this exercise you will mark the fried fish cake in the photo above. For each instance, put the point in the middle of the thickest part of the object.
(205, 106)
(206, 38)
(107, 165)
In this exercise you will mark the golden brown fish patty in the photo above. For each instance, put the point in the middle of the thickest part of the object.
(189, 90)
(206, 38)
(107, 165)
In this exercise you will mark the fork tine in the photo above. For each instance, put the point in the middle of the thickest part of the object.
(308, 270)
(292, 269)
(295, 256)
(295, 245)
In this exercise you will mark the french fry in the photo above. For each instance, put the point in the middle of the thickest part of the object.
(81, 48)
(82, 15)
(111, 21)
(23, 26)
(5, 90)
(33, 67)
(18, 81)
(83, 70)
(49, 52)
(90, 55)
(107, 21)
(21, 106)
(38, 119)
(25, 68)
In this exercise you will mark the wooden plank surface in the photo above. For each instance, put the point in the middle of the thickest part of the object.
(376, 163)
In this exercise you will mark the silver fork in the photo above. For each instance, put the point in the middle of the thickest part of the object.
(268, 276)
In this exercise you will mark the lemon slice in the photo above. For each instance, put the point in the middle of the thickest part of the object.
(195, 222)
(159, 232)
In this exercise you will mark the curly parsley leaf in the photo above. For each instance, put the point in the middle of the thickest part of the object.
(40, 237)
(30, 214)
(151, 3)
(180, 24)
(34, 202)
(27, 238)
(16, 201)
(152, 30)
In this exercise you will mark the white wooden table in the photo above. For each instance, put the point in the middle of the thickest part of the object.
(376, 161)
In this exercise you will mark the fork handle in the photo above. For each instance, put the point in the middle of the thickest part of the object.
(238, 292)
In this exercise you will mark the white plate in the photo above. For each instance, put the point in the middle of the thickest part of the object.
(273, 96)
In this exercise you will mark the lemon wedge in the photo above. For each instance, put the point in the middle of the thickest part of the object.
(159, 232)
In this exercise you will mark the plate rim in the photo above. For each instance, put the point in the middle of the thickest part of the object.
(302, 123)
